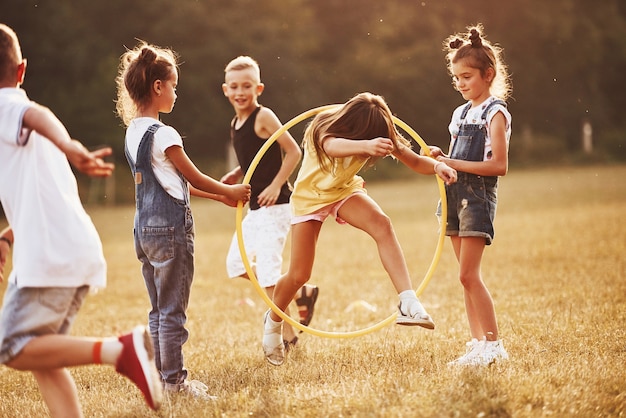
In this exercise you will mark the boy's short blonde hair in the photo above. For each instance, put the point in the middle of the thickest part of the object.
(242, 63)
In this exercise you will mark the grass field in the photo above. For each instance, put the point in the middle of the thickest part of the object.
(557, 272)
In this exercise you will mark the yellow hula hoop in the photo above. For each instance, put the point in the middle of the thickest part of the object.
(246, 261)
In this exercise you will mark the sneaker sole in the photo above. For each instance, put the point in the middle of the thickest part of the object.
(274, 362)
(145, 353)
(416, 322)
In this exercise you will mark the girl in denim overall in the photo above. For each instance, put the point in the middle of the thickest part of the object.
(164, 243)
(164, 178)
(480, 131)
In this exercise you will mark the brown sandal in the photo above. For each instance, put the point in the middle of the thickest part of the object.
(290, 344)
(309, 303)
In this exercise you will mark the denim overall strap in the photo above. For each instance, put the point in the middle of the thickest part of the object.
(144, 160)
(164, 243)
(470, 142)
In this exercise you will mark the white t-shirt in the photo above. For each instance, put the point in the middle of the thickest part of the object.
(474, 117)
(165, 172)
(56, 243)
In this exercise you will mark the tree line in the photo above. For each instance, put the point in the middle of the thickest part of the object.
(566, 57)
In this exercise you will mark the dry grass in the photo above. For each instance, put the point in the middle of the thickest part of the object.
(557, 272)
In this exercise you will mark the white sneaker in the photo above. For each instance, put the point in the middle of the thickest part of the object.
(472, 356)
(493, 352)
(194, 388)
(274, 352)
(414, 314)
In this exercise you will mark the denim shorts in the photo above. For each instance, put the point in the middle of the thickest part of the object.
(471, 203)
(30, 312)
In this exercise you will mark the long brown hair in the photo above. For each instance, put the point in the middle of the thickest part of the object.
(365, 116)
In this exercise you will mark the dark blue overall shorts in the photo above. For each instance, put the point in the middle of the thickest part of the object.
(472, 199)
(164, 242)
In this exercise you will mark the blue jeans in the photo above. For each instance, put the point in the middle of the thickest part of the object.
(164, 242)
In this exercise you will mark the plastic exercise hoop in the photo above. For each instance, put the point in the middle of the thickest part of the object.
(246, 261)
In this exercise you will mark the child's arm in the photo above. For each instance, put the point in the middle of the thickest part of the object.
(425, 165)
(498, 165)
(213, 196)
(42, 120)
(266, 124)
(233, 176)
(201, 181)
(341, 147)
(6, 240)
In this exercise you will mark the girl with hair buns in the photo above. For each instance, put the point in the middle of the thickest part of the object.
(480, 131)
(337, 145)
(164, 178)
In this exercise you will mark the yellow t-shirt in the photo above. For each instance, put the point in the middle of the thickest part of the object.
(315, 188)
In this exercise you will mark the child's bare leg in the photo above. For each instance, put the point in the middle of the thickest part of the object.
(364, 213)
(132, 354)
(303, 240)
(58, 351)
(288, 332)
(478, 302)
(59, 392)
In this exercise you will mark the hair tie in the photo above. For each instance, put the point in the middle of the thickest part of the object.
(475, 38)
(456, 44)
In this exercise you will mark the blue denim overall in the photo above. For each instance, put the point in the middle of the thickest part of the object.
(472, 199)
(164, 242)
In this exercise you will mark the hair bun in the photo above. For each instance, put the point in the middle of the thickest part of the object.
(475, 38)
(147, 55)
(456, 44)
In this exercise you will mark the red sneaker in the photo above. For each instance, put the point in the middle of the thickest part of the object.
(137, 363)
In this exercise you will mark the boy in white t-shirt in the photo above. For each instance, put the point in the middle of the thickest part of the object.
(57, 253)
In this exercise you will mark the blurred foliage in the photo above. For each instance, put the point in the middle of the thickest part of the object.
(567, 58)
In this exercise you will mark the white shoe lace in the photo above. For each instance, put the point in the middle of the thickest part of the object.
(472, 355)
(197, 389)
(493, 352)
(415, 310)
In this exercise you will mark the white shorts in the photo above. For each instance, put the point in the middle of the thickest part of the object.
(264, 233)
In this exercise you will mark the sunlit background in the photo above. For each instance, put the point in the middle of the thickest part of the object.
(567, 59)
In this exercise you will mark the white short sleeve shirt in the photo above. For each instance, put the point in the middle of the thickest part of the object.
(474, 117)
(165, 172)
(56, 243)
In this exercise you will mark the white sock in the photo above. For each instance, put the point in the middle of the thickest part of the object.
(111, 350)
(273, 335)
(410, 304)
(407, 295)
(270, 324)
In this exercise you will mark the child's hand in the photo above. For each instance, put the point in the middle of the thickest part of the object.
(90, 163)
(228, 202)
(446, 173)
(232, 177)
(435, 151)
(269, 195)
(379, 147)
(239, 192)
